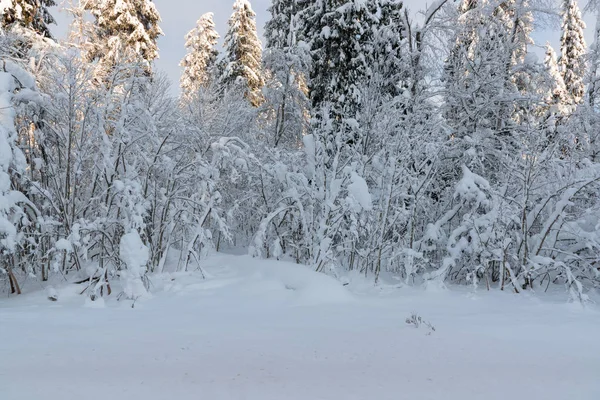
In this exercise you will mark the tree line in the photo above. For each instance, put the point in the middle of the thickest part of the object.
(438, 149)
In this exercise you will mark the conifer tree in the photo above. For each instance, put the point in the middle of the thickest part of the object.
(557, 94)
(342, 48)
(123, 30)
(32, 14)
(594, 62)
(243, 52)
(280, 29)
(389, 53)
(198, 65)
(573, 50)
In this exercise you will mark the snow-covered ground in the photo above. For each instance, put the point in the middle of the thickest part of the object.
(272, 330)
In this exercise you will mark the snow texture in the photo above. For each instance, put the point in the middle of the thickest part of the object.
(273, 330)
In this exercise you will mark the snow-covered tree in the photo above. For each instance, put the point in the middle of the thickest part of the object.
(342, 51)
(286, 64)
(243, 52)
(390, 52)
(32, 14)
(487, 62)
(557, 95)
(477, 171)
(17, 213)
(123, 30)
(573, 51)
(199, 63)
(280, 29)
(456, 68)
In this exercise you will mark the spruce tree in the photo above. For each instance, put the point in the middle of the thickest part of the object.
(573, 50)
(557, 91)
(342, 48)
(389, 52)
(198, 65)
(280, 29)
(243, 52)
(123, 30)
(31, 14)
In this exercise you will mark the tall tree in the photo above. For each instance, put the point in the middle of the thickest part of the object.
(486, 63)
(123, 30)
(458, 67)
(342, 49)
(390, 52)
(557, 94)
(286, 68)
(349, 42)
(243, 52)
(32, 14)
(198, 65)
(17, 214)
(573, 49)
(280, 30)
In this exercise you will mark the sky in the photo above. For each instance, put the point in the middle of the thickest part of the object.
(180, 16)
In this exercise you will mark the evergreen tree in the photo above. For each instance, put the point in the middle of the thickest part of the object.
(389, 52)
(359, 60)
(243, 52)
(280, 30)
(573, 50)
(31, 14)
(198, 65)
(11, 162)
(123, 29)
(339, 62)
(350, 42)
(594, 56)
(18, 100)
(557, 93)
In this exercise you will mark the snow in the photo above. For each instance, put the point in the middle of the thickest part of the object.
(135, 255)
(63, 245)
(4, 4)
(359, 191)
(274, 330)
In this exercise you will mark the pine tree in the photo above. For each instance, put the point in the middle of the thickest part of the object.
(557, 95)
(389, 52)
(123, 30)
(198, 65)
(31, 14)
(280, 30)
(594, 62)
(573, 50)
(342, 45)
(17, 212)
(243, 52)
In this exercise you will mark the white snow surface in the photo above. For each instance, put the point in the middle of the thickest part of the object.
(359, 190)
(265, 330)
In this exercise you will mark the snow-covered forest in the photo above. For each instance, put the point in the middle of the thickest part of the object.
(437, 150)
(361, 201)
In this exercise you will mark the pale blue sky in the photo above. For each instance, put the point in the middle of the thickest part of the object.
(180, 16)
